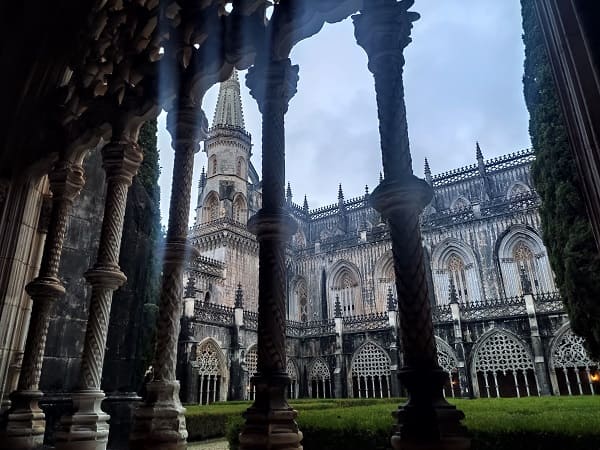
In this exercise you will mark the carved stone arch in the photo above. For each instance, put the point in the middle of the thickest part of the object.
(210, 367)
(520, 252)
(384, 279)
(454, 259)
(460, 203)
(211, 209)
(292, 369)
(572, 371)
(299, 307)
(370, 371)
(250, 360)
(500, 353)
(516, 189)
(319, 370)
(240, 208)
(447, 358)
(345, 282)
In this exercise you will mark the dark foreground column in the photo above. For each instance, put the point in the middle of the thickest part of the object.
(270, 420)
(26, 421)
(87, 427)
(426, 421)
(159, 423)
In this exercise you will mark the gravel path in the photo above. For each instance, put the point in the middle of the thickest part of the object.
(213, 444)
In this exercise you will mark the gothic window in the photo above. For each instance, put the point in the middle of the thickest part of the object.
(302, 299)
(320, 380)
(347, 289)
(239, 209)
(213, 165)
(456, 271)
(526, 264)
(251, 367)
(292, 372)
(503, 367)
(370, 372)
(449, 364)
(209, 366)
(211, 207)
(575, 372)
(385, 281)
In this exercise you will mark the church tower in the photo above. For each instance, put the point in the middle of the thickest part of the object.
(229, 188)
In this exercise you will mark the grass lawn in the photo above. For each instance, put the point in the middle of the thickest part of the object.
(533, 423)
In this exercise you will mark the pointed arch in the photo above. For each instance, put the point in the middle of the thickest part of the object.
(210, 209)
(384, 279)
(452, 259)
(572, 371)
(300, 296)
(250, 363)
(345, 283)
(502, 365)
(292, 371)
(319, 380)
(370, 372)
(448, 362)
(210, 367)
(240, 208)
(519, 251)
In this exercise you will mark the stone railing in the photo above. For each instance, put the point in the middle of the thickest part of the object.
(441, 313)
(213, 313)
(367, 322)
(319, 328)
(493, 308)
(251, 320)
(548, 303)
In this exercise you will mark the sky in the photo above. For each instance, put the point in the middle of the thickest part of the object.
(462, 82)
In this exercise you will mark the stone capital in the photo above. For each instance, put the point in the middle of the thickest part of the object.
(105, 277)
(406, 195)
(121, 159)
(272, 226)
(45, 288)
(178, 252)
(273, 84)
(382, 29)
(187, 125)
(66, 180)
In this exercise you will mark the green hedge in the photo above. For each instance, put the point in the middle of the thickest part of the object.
(495, 424)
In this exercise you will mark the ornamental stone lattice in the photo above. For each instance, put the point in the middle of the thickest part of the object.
(371, 360)
(207, 358)
(501, 353)
(570, 353)
(319, 371)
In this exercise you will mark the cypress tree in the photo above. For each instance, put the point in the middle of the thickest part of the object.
(565, 224)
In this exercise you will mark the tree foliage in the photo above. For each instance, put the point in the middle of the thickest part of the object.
(565, 224)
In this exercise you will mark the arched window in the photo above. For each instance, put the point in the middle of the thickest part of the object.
(209, 366)
(574, 371)
(521, 253)
(292, 372)
(320, 380)
(212, 165)
(385, 280)
(503, 367)
(238, 168)
(301, 295)
(211, 207)
(251, 367)
(370, 372)
(449, 364)
(240, 210)
(457, 273)
(347, 289)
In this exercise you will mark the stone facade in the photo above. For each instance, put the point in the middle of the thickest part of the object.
(500, 325)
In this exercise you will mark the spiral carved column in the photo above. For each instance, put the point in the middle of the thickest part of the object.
(87, 427)
(270, 421)
(160, 422)
(426, 421)
(26, 422)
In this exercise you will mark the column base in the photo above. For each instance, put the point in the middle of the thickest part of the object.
(270, 421)
(87, 428)
(427, 421)
(25, 422)
(159, 423)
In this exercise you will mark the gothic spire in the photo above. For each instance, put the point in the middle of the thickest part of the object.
(337, 312)
(288, 193)
(239, 296)
(340, 193)
(391, 302)
(228, 112)
(202, 179)
(478, 152)
(428, 172)
(305, 206)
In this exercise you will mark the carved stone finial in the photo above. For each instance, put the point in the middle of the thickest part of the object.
(337, 308)
(282, 76)
(305, 206)
(478, 153)
(239, 296)
(288, 193)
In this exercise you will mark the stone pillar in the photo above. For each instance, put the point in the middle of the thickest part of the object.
(339, 376)
(463, 378)
(87, 427)
(236, 373)
(270, 420)
(26, 421)
(426, 421)
(159, 423)
(395, 356)
(541, 370)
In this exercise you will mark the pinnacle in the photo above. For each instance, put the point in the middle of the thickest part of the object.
(229, 112)
(478, 151)
(340, 193)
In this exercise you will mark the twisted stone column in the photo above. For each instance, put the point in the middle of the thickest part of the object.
(87, 427)
(426, 421)
(270, 420)
(26, 422)
(160, 422)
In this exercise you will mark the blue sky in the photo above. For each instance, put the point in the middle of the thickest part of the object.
(463, 84)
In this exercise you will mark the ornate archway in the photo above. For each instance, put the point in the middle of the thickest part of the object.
(370, 373)
(319, 380)
(211, 369)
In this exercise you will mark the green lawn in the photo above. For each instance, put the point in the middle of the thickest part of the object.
(534, 423)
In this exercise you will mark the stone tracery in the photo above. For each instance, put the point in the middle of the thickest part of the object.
(370, 372)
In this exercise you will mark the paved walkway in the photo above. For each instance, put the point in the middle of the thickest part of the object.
(213, 444)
